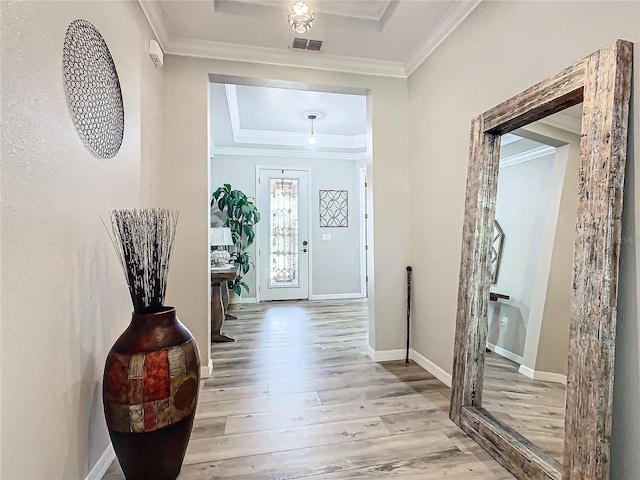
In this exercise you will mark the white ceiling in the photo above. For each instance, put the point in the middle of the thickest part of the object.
(381, 37)
(378, 37)
(251, 120)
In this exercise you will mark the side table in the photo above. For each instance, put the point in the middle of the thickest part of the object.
(219, 275)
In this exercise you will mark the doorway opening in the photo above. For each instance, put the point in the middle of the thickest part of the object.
(311, 242)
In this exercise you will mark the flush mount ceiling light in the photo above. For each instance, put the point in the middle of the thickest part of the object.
(312, 137)
(300, 17)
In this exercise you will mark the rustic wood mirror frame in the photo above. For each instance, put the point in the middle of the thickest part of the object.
(602, 81)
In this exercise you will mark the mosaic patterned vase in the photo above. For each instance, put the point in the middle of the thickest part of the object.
(150, 392)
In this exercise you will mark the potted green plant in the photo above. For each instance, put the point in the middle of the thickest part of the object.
(241, 216)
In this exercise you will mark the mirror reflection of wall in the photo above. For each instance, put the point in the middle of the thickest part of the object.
(528, 333)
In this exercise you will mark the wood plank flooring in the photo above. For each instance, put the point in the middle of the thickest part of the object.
(533, 408)
(296, 396)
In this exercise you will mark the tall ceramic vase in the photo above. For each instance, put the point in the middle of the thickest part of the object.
(150, 392)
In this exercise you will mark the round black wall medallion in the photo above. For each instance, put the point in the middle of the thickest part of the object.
(93, 90)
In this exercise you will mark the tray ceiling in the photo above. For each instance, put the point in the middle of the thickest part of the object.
(381, 37)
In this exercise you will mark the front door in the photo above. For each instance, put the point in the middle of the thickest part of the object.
(283, 244)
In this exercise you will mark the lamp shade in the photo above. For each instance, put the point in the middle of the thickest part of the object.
(220, 236)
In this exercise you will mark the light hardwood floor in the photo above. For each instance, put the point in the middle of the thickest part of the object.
(296, 396)
(533, 408)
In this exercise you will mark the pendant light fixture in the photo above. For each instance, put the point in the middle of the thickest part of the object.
(312, 137)
(300, 17)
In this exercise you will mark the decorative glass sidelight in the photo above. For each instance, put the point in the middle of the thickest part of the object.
(283, 213)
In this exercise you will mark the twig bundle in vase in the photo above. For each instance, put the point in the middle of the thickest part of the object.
(152, 373)
(143, 240)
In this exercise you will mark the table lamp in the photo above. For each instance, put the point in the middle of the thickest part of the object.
(220, 237)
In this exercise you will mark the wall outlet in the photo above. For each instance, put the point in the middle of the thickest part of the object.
(504, 321)
(326, 236)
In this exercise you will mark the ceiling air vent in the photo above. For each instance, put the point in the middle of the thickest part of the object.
(304, 44)
(314, 45)
(300, 43)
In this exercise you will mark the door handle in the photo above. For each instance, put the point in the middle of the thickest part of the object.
(305, 243)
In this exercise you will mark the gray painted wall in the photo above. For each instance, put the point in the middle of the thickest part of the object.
(336, 262)
(501, 49)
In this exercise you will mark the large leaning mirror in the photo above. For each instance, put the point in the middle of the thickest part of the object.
(534, 347)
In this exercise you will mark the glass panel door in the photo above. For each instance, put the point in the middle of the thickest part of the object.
(283, 210)
(283, 231)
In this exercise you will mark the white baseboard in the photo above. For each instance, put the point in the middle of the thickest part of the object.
(400, 354)
(102, 465)
(542, 376)
(386, 355)
(248, 300)
(503, 352)
(206, 370)
(431, 367)
(336, 296)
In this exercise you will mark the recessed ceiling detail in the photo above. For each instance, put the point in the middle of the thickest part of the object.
(374, 37)
(249, 120)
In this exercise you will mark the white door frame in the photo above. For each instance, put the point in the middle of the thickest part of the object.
(362, 189)
(260, 226)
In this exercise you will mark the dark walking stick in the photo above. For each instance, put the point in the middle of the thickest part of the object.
(406, 360)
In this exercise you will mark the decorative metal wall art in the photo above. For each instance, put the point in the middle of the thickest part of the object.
(93, 90)
(334, 208)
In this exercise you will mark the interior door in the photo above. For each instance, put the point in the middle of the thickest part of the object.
(283, 244)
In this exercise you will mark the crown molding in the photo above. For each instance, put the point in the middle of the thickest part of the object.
(290, 58)
(458, 11)
(155, 19)
(279, 137)
(448, 23)
(268, 152)
(526, 156)
(267, 56)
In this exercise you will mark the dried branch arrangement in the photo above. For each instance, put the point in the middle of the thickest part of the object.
(143, 240)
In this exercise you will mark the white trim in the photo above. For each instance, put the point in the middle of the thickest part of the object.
(503, 352)
(280, 137)
(302, 59)
(288, 58)
(362, 211)
(526, 156)
(431, 367)
(400, 354)
(248, 300)
(526, 371)
(103, 463)
(387, 355)
(306, 153)
(206, 370)
(336, 296)
(155, 19)
(542, 376)
(298, 139)
(445, 26)
(307, 171)
(232, 105)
